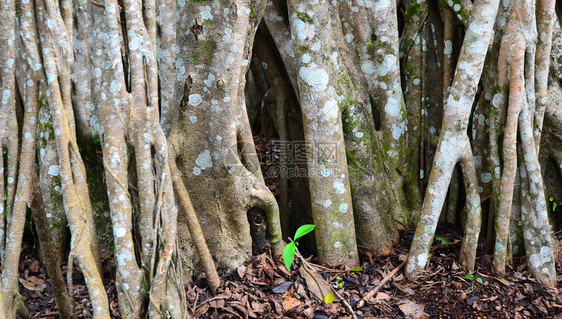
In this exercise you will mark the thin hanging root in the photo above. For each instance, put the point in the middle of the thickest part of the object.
(516, 96)
(545, 25)
(536, 228)
(474, 217)
(195, 230)
(51, 260)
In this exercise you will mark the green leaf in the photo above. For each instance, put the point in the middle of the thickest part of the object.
(469, 276)
(289, 255)
(443, 240)
(329, 298)
(357, 269)
(480, 280)
(551, 198)
(303, 230)
(554, 206)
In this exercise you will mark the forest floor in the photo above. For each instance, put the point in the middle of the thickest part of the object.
(262, 287)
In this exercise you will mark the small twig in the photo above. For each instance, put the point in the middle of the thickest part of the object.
(346, 304)
(371, 293)
(398, 287)
(97, 4)
(195, 302)
(209, 300)
(231, 312)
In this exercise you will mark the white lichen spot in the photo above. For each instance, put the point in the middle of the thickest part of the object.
(193, 118)
(349, 37)
(115, 86)
(337, 245)
(209, 81)
(195, 99)
(398, 130)
(326, 172)
(305, 58)
(368, 68)
(204, 160)
(498, 100)
(206, 14)
(382, 4)
(299, 27)
(359, 134)
(318, 79)
(392, 107)
(457, 7)
(448, 47)
(54, 170)
(218, 138)
(478, 160)
(387, 65)
(120, 232)
(343, 208)
(196, 171)
(486, 177)
(545, 251)
(5, 96)
(339, 187)
(535, 260)
(421, 173)
(422, 260)
(330, 109)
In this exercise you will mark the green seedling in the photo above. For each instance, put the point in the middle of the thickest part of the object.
(290, 248)
(471, 277)
(555, 203)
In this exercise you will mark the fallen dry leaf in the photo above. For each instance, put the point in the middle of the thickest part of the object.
(413, 310)
(382, 295)
(315, 283)
(290, 303)
(33, 283)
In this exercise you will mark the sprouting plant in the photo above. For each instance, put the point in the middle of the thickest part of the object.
(554, 203)
(471, 277)
(338, 283)
(290, 249)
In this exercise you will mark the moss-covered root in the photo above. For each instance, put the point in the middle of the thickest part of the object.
(453, 141)
(50, 257)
